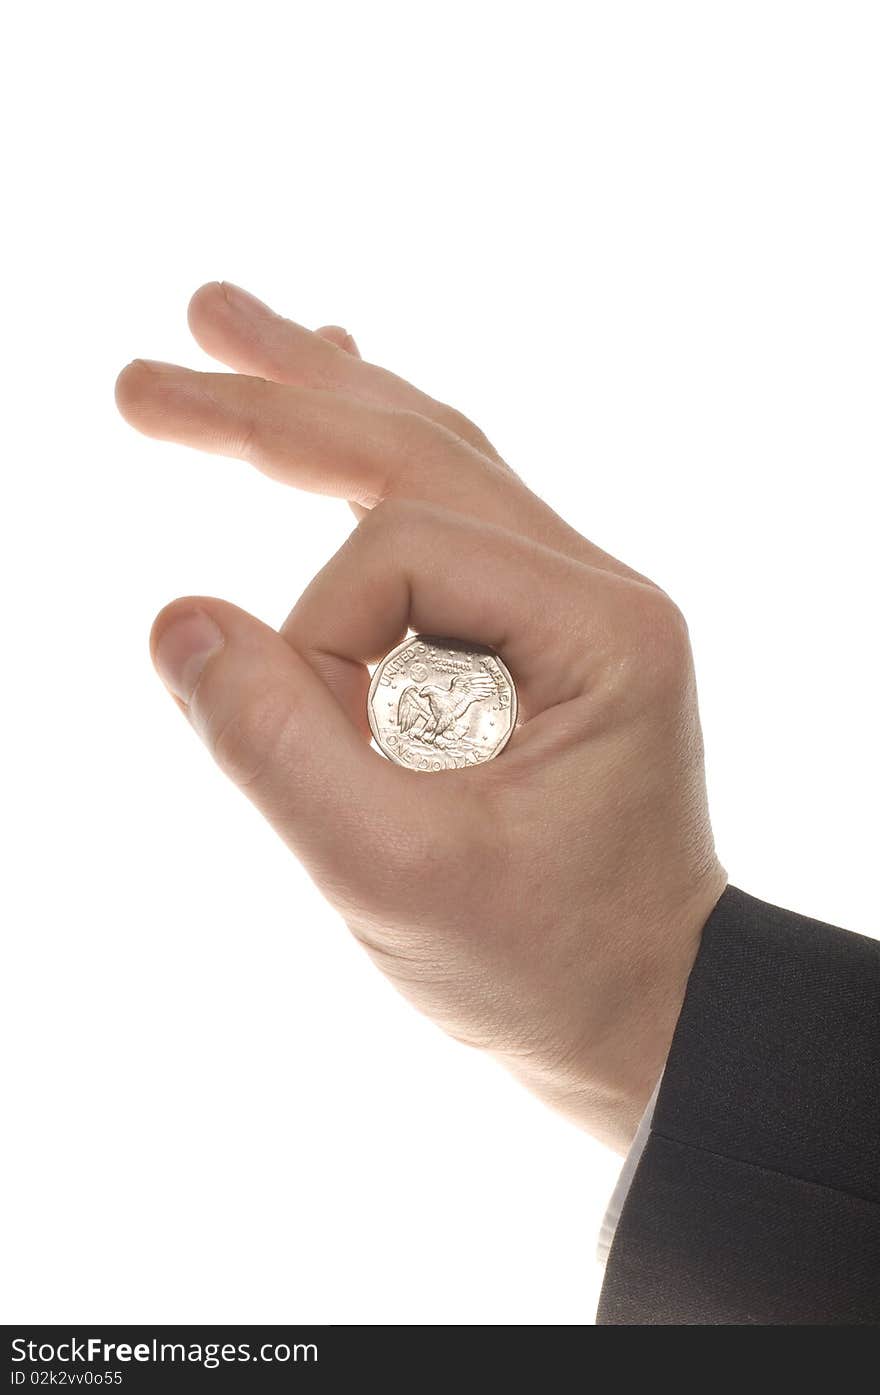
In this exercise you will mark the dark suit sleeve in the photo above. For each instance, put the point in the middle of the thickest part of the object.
(757, 1197)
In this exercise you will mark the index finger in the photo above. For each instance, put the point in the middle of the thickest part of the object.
(553, 620)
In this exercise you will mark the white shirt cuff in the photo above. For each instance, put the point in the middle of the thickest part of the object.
(618, 1196)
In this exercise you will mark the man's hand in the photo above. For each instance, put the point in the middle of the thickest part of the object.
(545, 906)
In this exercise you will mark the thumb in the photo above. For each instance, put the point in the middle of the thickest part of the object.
(280, 735)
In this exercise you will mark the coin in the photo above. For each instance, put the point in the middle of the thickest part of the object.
(441, 704)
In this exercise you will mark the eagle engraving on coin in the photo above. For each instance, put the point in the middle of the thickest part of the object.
(441, 704)
(439, 709)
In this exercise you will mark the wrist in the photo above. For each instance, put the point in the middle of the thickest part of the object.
(632, 1005)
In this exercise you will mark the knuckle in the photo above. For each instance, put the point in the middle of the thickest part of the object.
(391, 517)
(247, 426)
(248, 741)
(462, 426)
(387, 514)
(659, 649)
(454, 420)
(247, 440)
(420, 441)
(414, 427)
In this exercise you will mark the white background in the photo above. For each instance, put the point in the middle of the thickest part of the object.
(639, 244)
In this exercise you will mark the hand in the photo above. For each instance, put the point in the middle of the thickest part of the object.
(545, 906)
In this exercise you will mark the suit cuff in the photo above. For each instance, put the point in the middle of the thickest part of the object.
(624, 1181)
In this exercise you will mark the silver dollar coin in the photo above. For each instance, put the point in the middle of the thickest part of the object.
(441, 704)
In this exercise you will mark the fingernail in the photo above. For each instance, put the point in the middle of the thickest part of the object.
(244, 301)
(182, 650)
